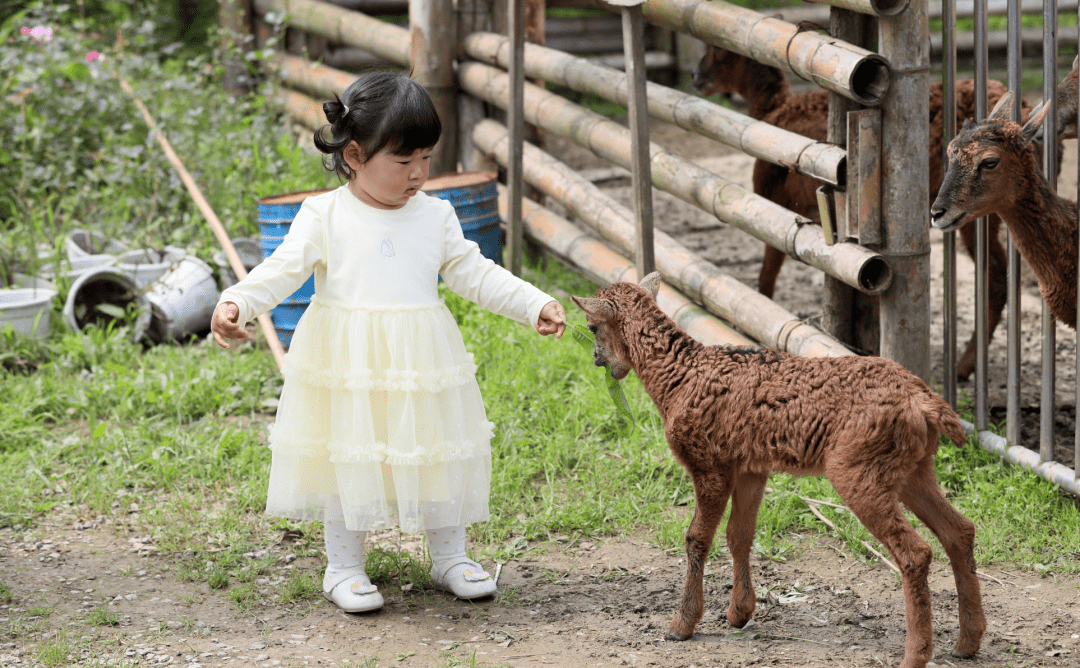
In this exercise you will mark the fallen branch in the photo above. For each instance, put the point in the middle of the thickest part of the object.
(810, 504)
(215, 224)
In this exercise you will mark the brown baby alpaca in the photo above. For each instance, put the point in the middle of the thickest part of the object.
(993, 168)
(734, 415)
(767, 91)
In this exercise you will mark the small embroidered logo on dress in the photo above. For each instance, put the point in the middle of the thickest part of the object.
(387, 248)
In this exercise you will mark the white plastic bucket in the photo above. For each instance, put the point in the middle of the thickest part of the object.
(145, 266)
(250, 253)
(81, 243)
(182, 301)
(26, 310)
(104, 286)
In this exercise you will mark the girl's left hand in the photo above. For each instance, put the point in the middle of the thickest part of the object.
(552, 320)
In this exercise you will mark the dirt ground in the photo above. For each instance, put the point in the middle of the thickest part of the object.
(569, 604)
(565, 604)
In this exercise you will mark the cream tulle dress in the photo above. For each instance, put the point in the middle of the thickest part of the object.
(380, 406)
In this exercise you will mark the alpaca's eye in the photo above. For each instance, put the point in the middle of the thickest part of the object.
(593, 328)
(989, 163)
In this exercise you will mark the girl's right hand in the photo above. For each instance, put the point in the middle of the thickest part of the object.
(224, 324)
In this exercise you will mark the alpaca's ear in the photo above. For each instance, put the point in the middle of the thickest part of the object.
(651, 283)
(1003, 109)
(601, 309)
(1034, 124)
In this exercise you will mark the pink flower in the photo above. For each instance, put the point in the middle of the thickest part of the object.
(92, 56)
(39, 33)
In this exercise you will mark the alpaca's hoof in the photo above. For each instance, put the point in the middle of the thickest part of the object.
(673, 635)
(962, 652)
(738, 619)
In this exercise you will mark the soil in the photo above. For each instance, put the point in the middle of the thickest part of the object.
(566, 603)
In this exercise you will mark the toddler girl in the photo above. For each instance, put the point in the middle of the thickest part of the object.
(380, 415)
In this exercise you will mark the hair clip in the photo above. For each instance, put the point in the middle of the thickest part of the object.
(345, 109)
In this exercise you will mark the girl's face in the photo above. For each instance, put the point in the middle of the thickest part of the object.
(387, 181)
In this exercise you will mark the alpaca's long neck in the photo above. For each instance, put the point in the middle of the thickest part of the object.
(658, 350)
(765, 89)
(1044, 228)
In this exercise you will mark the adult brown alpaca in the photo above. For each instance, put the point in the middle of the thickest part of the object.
(734, 415)
(1065, 105)
(767, 91)
(994, 168)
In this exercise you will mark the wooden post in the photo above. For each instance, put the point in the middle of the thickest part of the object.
(235, 19)
(905, 112)
(433, 36)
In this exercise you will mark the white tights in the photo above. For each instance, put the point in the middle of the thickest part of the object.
(345, 549)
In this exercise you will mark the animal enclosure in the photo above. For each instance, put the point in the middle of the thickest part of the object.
(872, 245)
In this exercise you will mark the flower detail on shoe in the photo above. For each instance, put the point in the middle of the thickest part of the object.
(358, 587)
(475, 576)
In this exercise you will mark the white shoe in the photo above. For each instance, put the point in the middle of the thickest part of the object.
(472, 582)
(355, 594)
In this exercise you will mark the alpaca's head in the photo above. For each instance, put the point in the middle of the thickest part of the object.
(605, 314)
(986, 162)
(714, 73)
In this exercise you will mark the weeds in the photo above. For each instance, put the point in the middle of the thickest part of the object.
(102, 616)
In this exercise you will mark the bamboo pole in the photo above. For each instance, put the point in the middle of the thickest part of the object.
(215, 224)
(388, 41)
(698, 278)
(859, 267)
(842, 68)
(819, 160)
(871, 7)
(603, 265)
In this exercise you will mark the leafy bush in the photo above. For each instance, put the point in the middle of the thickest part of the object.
(75, 151)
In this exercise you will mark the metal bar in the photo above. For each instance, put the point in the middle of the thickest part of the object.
(1053, 472)
(936, 10)
(1012, 332)
(701, 280)
(603, 265)
(905, 112)
(1049, 338)
(641, 171)
(859, 267)
(982, 272)
(853, 72)
(949, 305)
(820, 160)
(516, 124)
(871, 7)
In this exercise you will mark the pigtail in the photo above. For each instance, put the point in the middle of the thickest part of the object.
(334, 137)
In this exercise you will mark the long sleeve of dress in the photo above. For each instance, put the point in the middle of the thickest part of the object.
(281, 274)
(471, 275)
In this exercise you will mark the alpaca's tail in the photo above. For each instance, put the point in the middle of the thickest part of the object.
(942, 419)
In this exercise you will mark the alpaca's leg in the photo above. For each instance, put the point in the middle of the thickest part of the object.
(877, 508)
(997, 261)
(711, 493)
(923, 497)
(770, 270)
(745, 500)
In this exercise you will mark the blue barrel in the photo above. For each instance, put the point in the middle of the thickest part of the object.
(476, 201)
(275, 216)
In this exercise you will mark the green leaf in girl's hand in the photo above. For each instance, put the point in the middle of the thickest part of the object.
(586, 340)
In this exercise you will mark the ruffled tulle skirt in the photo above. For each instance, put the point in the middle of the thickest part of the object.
(380, 409)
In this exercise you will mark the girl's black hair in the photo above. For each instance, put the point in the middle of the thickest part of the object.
(385, 110)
